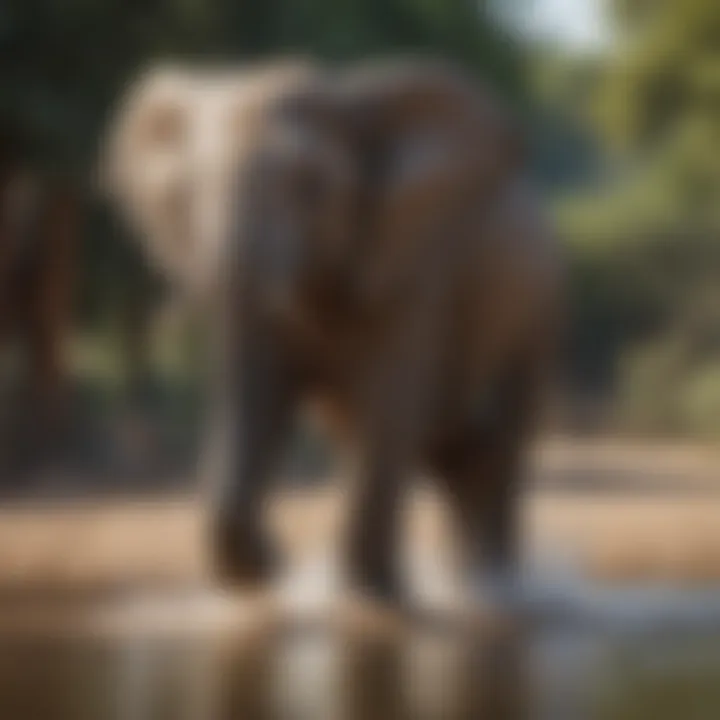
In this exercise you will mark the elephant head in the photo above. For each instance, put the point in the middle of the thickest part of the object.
(170, 159)
(322, 181)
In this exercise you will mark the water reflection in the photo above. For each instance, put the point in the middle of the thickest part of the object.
(328, 673)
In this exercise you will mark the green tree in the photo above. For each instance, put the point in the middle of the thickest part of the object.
(649, 239)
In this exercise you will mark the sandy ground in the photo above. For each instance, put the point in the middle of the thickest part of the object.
(617, 511)
(617, 537)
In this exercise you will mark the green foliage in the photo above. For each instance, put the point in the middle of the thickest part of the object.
(63, 61)
(647, 240)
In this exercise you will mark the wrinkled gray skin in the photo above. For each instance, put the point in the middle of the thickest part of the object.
(360, 240)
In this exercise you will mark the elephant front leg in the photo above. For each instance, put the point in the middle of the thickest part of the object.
(484, 484)
(373, 542)
(484, 495)
(490, 506)
(394, 412)
(252, 415)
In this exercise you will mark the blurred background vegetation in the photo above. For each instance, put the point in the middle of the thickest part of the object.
(627, 150)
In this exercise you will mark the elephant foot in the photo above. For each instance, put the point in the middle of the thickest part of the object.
(240, 557)
(376, 581)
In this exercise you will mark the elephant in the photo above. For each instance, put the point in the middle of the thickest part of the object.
(41, 217)
(363, 242)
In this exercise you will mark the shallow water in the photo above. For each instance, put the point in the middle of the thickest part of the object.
(621, 654)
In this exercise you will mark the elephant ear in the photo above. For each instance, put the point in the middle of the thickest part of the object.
(140, 167)
(148, 117)
(433, 147)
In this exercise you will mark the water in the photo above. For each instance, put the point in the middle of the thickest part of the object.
(621, 654)
(360, 677)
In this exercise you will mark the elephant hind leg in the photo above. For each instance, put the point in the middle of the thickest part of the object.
(482, 488)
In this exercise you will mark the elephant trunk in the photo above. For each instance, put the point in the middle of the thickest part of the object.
(268, 246)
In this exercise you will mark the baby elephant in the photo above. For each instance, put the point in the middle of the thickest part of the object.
(360, 238)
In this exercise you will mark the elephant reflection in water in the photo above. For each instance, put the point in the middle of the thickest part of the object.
(299, 673)
(348, 676)
(453, 678)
